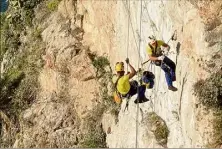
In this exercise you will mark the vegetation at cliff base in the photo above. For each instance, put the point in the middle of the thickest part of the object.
(209, 92)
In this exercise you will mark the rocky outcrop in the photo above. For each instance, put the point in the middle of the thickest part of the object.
(69, 89)
(197, 47)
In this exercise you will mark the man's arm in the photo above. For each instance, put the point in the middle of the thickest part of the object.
(165, 45)
(132, 70)
(166, 48)
(149, 52)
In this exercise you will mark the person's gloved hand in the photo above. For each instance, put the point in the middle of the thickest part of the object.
(166, 50)
(161, 57)
(127, 60)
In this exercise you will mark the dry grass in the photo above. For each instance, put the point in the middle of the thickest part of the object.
(95, 137)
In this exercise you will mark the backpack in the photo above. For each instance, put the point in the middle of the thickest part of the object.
(117, 98)
(148, 79)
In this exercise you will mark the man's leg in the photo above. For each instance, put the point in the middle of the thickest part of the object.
(141, 95)
(172, 66)
(167, 75)
(133, 88)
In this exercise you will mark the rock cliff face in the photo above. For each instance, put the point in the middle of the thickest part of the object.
(70, 90)
(198, 27)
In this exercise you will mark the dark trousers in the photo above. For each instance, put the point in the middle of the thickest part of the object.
(169, 67)
(133, 90)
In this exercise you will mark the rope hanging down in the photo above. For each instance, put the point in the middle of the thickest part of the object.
(130, 21)
(127, 54)
(139, 58)
(138, 48)
(137, 113)
(127, 51)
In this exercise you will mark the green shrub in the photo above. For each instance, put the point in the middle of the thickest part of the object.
(217, 125)
(100, 63)
(209, 91)
(14, 22)
(19, 84)
(53, 4)
(8, 84)
(37, 33)
(159, 128)
(95, 137)
(94, 140)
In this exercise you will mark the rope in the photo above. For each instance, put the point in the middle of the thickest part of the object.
(137, 113)
(127, 55)
(128, 37)
(137, 47)
(139, 57)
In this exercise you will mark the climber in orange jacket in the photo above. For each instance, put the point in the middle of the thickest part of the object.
(167, 65)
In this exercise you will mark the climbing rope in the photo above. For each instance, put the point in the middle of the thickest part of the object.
(137, 113)
(131, 24)
(127, 55)
(137, 47)
(139, 57)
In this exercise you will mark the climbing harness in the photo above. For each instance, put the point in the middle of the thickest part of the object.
(117, 95)
(127, 103)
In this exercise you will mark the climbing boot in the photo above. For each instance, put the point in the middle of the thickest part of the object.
(172, 88)
(142, 100)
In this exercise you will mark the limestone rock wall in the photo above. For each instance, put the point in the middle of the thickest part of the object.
(69, 89)
(107, 32)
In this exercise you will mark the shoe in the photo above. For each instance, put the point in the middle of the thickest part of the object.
(172, 88)
(141, 100)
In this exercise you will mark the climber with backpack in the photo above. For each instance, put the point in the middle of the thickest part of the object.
(157, 56)
(124, 88)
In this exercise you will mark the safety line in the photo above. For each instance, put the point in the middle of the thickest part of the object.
(137, 113)
(133, 29)
(128, 37)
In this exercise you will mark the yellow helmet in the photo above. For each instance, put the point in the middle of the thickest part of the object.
(119, 66)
